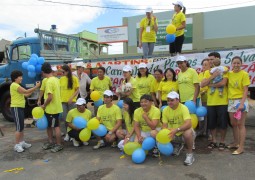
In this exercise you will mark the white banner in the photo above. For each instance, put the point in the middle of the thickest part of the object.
(112, 34)
(114, 68)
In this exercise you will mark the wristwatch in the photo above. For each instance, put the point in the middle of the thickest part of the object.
(178, 129)
(110, 132)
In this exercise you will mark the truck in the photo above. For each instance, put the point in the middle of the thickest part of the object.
(55, 47)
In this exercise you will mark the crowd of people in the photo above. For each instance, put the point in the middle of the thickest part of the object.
(221, 90)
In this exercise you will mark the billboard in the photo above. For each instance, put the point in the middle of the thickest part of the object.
(112, 34)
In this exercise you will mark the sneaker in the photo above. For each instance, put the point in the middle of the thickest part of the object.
(48, 145)
(114, 144)
(99, 145)
(75, 143)
(189, 159)
(67, 138)
(177, 149)
(56, 148)
(155, 152)
(85, 143)
(18, 148)
(25, 145)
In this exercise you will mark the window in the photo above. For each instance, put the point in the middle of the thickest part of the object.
(21, 52)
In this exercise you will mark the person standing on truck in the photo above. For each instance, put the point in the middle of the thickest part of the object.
(69, 89)
(18, 102)
(158, 74)
(100, 83)
(147, 34)
(84, 80)
(179, 21)
(53, 108)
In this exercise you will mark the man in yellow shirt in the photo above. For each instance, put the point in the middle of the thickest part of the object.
(53, 108)
(110, 115)
(176, 117)
(79, 111)
(158, 74)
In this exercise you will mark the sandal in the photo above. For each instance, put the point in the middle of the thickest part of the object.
(212, 145)
(222, 146)
(47, 146)
(56, 148)
(233, 146)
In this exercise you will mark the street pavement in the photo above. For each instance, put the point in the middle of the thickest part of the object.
(84, 163)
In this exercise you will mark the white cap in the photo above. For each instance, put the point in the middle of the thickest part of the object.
(142, 65)
(54, 68)
(80, 64)
(108, 93)
(148, 10)
(173, 95)
(178, 3)
(80, 101)
(127, 68)
(180, 58)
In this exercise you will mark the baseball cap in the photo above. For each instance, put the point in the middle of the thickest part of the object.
(180, 58)
(108, 93)
(148, 10)
(80, 64)
(178, 3)
(142, 65)
(54, 68)
(80, 101)
(173, 95)
(127, 68)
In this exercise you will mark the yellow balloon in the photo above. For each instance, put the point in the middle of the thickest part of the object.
(194, 121)
(38, 112)
(93, 124)
(170, 29)
(130, 147)
(85, 135)
(163, 136)
(95, 95)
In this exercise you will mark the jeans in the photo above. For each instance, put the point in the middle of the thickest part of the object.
(148, 48)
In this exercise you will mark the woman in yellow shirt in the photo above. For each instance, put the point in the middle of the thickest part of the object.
(166, 86)
(179, 21)
(69, 89)
(18, 102)
(238, 82)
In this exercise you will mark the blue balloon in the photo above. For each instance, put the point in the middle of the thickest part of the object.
(80, 122)
(244, 107)
(24, 65)
(38, 68)
(138, 156)
(170, 38)
(33, 56)
(120, 104)
(100, 131)
(191, 106)
(166, 149)
(98, 103)
(31, 74)
(32, 61)
(162, 108)
(31, 68)
(148, 143)
(201, 111)
(41, 60)
(42, 123)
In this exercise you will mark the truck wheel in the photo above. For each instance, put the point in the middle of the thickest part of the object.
(5, 104)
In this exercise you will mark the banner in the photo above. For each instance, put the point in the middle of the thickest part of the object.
(112, 34)
(114, 68)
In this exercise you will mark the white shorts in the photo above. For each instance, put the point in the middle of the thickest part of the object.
(148, 134)
(233, 102)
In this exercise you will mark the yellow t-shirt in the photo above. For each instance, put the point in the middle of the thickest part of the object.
(236, 83)
(109, 116)
(177, 20)
(175, 118)
(166, 87)
(144, 84)
(215, 99)
(17, 99)
(148, 34)
(53, 87)
(65, 92)
(73, 113)
(154, 114)
(127, 120)
(186, 81)
(154, 86)
(101, 85)
(203, 91)
(42, 88)
(135, 96)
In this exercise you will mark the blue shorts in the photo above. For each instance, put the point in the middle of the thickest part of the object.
(18, 117)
